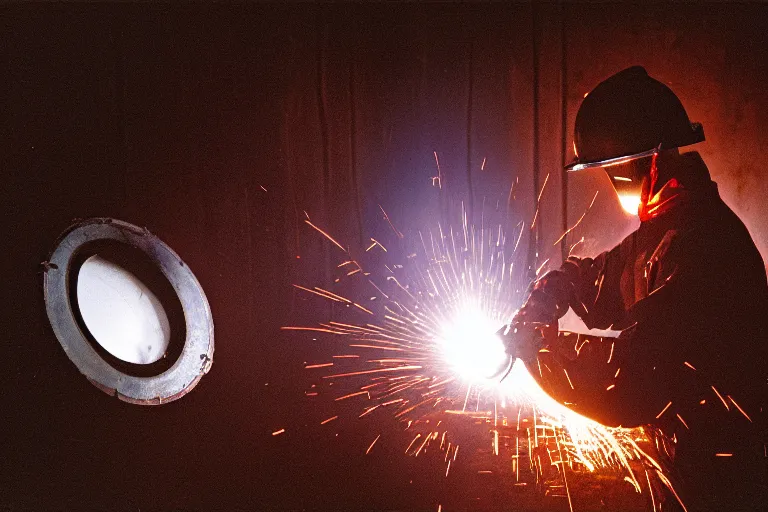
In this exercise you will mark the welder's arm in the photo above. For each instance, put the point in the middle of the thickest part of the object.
(589, 286)
(628, 380)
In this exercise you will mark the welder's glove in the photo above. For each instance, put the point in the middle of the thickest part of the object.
(524, 340)
(548, 300)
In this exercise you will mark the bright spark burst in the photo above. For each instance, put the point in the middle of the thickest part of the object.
(430, 353)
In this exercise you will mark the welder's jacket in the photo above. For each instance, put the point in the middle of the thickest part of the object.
(688, 291)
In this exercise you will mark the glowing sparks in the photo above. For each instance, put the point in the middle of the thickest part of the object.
(428, 353)
(739, 408)
(278, 432)
(326, 235)
(663, 410)
(328, 420)
(322, 365)
(727, 407)
(471, 346)
(373, 443)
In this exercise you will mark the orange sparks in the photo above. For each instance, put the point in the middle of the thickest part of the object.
(322, 365)
(386, 217)
(663, 410)
(567, 377)
(374, 244)
(721, 398)
(332, 295)
(610, 387)
(426, 439)
(538, 201)
(324, 295)
(439, 177)
(328, 420)
(326, 235)
(369, 410)
(278, 432)
(379, 347)
(577, 222)
(723, 455)
(689, 365)
(739, 408)
(682, 421)
(373, 443)
(315, 329)
(358, 306)
(353, 394)
(414, 440)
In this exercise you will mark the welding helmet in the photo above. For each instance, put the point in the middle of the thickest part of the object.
(627, 117)
(623, 123)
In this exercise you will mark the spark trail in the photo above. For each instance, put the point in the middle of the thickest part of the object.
(425, 346)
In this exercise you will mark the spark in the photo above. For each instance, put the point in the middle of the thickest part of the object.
(373, 443)
(439, 177)
(352, 394)
(322, 365)
(538, 203)
(319, 293)
(569, 379)
(378, 370)
(374, 244)
(328, 420)
(727, 408)
(315, 329)
(578, 221)
(739, 408)
(663, 410)
(278, 432)
(326, 235)
(429, 353)
(386, 217)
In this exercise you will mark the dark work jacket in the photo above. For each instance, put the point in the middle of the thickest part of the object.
(688, 291)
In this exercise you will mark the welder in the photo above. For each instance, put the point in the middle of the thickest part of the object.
(687, 291)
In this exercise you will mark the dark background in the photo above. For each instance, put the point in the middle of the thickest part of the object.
(175, 117)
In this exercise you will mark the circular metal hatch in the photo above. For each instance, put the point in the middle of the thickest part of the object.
(185, 361)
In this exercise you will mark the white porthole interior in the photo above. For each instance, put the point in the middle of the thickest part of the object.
(121, 312)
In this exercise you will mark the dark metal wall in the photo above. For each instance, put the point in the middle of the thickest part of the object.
(219, 128)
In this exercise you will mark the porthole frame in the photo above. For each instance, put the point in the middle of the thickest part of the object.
(196, 355)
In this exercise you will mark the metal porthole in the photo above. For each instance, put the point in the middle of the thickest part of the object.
(180, 350)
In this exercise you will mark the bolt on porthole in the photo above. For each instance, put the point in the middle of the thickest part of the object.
(128, 312)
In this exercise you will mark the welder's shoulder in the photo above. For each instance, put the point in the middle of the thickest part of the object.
(724, 234)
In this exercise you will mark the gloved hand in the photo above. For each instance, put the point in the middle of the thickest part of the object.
(547, 301)
(524, 340)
